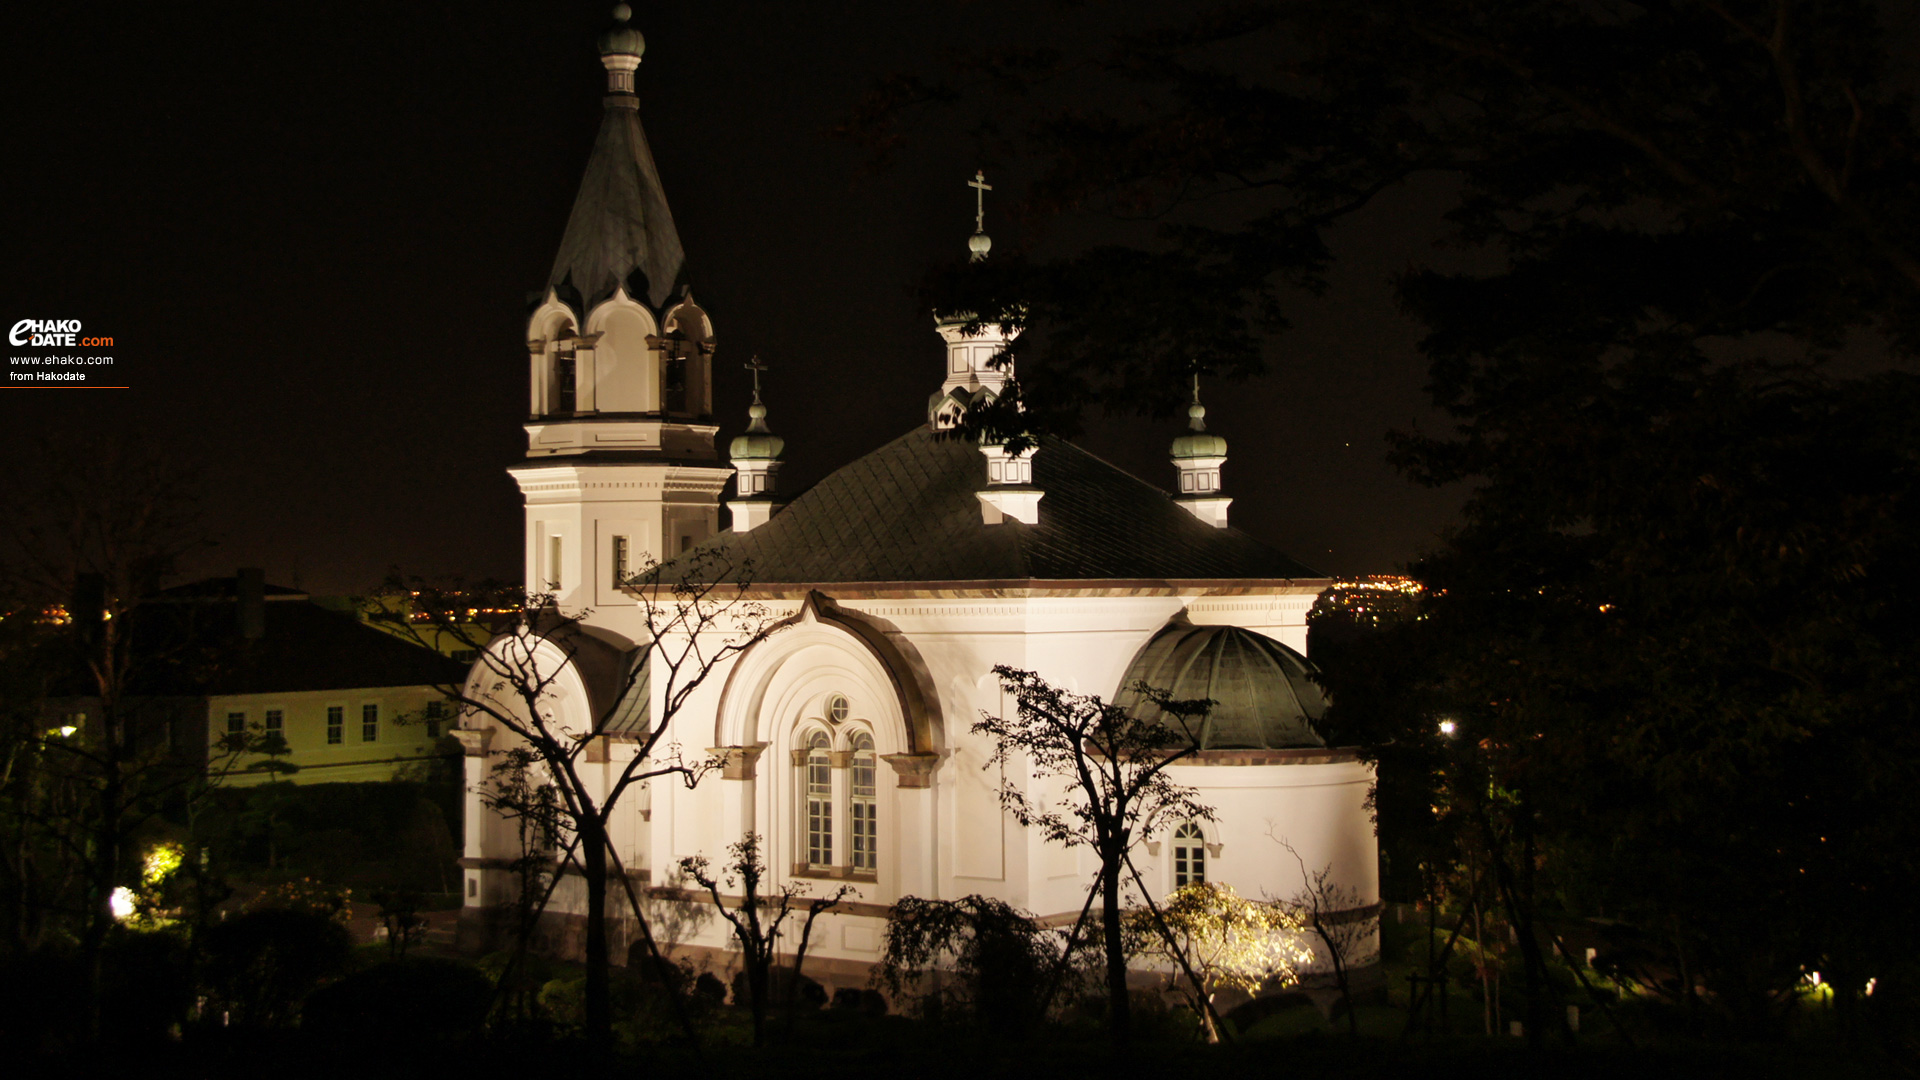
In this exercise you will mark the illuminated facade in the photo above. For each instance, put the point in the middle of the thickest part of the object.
(902, 579)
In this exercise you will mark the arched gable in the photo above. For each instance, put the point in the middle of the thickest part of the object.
(822, 650)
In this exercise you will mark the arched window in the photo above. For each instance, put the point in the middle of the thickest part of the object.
(1189, 855)
(817, 770)
(565, 392)
(863, 811)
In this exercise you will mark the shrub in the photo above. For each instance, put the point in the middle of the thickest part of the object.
(416, 997)
(260, 966)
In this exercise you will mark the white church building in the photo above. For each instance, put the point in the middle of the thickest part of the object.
(902, 579)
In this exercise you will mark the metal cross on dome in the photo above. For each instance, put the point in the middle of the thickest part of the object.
(980, 188)
(754, 365)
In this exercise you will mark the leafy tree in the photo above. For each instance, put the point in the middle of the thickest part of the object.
(1228, 941)
(261, 965)
(1674, 177)
(1112, 767)
(88, 531)
(697, 618)
(759, 937)
(1684, 248)
(998, 963)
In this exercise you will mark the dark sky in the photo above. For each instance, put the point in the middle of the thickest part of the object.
(311, 231)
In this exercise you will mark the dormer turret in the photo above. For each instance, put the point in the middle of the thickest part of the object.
(756, 464)
(1197, 457)
(970, 371)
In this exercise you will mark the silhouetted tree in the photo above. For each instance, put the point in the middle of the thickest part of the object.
(1112, 765)
(697, 618)
(756, 920)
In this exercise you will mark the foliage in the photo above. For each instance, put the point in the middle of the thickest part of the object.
(1115, 790)
(88, 532)
(262, 964)
(1230, 942)
(1616, 176)
(1669, 636)
(759, 937)
(405, 1000)
(997, 964)
(305, 896)
(399, 914)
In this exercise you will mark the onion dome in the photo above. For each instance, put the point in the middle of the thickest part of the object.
(622, 39)
(1263, 692)
(758, 444)
(1198, 442)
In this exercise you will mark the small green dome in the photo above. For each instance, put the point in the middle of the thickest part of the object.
(1198, 443)
(622, 38)
(758, 444)
(1263, 692)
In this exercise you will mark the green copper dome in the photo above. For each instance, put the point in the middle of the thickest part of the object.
(758, 444)
(1263, 693)
(1198, 443)
(622, 38)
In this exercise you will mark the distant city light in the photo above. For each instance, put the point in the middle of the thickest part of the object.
(1446, 727)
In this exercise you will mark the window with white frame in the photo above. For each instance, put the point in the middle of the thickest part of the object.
(1189, 855)
(837, 784)
(863, 806)
(277, 724)
(236, 723)
(336, 724)
(817, 770)
(369, 723)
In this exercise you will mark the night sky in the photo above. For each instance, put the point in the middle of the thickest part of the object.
(312, 229)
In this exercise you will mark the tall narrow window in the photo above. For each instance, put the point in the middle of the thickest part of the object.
(619, 560)
(369, 723)
(336, 724)
(276, 722)
(236, 723)
(864, 808)
(1189, 855)
(563, 382)
(553, 563)
(673, 384)
(819, 780)
(436, 712)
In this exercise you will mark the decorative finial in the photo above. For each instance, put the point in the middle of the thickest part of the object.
(620, 50)
(757, 412)
(1196, 412)
(980, 243)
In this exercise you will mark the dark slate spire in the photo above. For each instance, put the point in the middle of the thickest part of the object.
(620, 231)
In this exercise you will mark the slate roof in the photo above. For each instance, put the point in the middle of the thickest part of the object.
(620, 231)
(908, 513)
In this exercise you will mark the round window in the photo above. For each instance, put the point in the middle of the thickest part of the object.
(837, 707)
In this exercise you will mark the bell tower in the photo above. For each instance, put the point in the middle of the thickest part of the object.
(621, 465)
